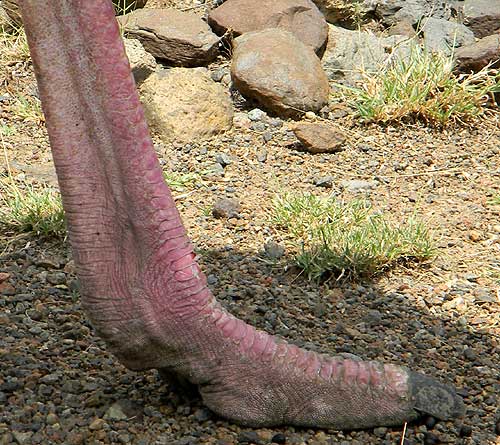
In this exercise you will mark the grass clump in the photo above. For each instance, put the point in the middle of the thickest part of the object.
(348, 239)
(25, 208)
(422, 86)
(179, 182)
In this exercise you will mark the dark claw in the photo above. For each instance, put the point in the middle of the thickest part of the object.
(435, 398)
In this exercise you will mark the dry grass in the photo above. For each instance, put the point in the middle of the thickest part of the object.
(422, 87)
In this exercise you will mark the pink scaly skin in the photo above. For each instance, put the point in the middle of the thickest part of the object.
(141, 286)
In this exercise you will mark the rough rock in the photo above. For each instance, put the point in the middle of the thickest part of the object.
(391, 12)
(348, 11)
(226, 208)
(185, 104)
(319, 137)
(478, 55)
(358, 185)
(180, 38)
(279, 71)
(402, 28)
(301, 17)
(443, 36)
(142, 63)
(350, 53)
(482, 16)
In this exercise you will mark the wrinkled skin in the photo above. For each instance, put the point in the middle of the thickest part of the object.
(141, 286)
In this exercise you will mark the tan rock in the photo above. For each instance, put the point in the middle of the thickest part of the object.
(142, 63)
(276, 69)
(319, 137)
(186, 105)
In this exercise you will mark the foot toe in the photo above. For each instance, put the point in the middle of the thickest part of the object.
(435, 398)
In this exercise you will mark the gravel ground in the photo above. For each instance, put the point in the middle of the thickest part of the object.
(59, 385)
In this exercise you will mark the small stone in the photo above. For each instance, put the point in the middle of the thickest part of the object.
(115, 412)
(4, 276)
(310, 115)
(431, 439)
(226, 208)
(319, 138)
(51, 419)
(267, 136)
(497, 427)
(201, 415)
(249, 437)
(22, 438)
(465, 431)
(324, 181)
(96, 424)
(223, 159)
(56, 278)
(430, 422)
(475, 236)
(274, 250)
(256, 114)
(469, 354)
(279, 438)
(262, 156)
(358, 185)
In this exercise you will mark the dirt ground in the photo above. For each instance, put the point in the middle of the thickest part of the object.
(59, 385)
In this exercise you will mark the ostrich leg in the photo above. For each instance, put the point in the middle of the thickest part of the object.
(141, 286)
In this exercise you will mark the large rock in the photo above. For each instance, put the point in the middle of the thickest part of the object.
(185, 105)
(180, 38)
(478, 55)
(276, 69)
(443, 36)
(301, 17)
(142, 63)
(394, 11)
(482, 16)
(348, 11)
(351, 54)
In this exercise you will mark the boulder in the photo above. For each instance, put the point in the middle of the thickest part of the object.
(185, 105)
(301, 17)
(179, 38)
(443, 36)
(280, 72)
(476, 56)
(391, 12)
(142, 63)
(345, 11)
(482, 16)
(350, 54)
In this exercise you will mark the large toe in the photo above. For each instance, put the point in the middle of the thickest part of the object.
(435, 398)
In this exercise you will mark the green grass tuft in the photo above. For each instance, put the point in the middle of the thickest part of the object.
(25, 208)
(422, 87)
(179, 182)
(348, 239)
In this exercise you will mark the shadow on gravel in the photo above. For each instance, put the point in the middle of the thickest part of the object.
(59, 385)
